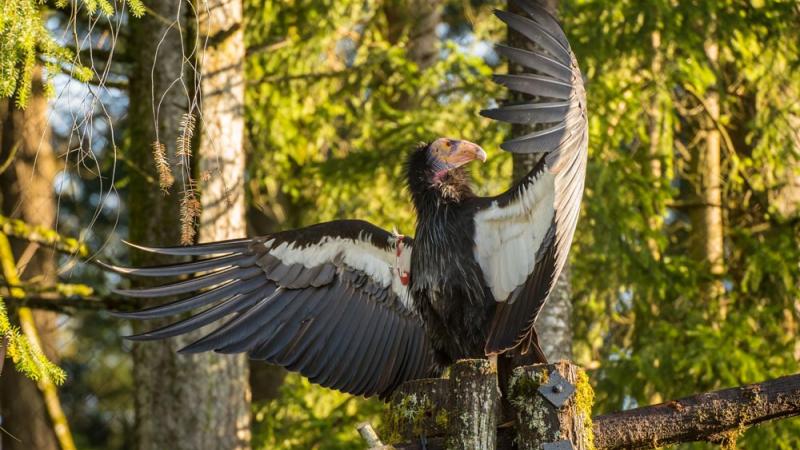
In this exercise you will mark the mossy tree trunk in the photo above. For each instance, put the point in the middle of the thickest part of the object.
(27, 194)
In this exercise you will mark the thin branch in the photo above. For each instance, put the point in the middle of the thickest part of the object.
(69, 305)
(3, 344)
(715, 416)
(43, 236)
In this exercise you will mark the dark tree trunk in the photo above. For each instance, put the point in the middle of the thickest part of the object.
(415, 21)
(27, 194)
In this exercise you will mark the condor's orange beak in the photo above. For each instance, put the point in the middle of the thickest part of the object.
(455, 153)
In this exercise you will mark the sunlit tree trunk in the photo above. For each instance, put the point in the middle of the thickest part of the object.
(653, 167)
(707, 239)
(27, 194)
(221, 162)
(554, 324)
(182, 402)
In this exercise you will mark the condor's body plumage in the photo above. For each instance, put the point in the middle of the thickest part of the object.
(357, 308)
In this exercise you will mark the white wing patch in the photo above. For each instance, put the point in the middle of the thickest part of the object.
(507, 238)
(360, 254)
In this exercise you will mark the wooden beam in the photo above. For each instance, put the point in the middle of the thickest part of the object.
(715, 416)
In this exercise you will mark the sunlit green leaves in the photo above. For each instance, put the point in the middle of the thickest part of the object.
(646, 323)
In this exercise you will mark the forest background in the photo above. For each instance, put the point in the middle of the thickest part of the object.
(685, 271)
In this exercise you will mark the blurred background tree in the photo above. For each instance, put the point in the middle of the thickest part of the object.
(684, 270)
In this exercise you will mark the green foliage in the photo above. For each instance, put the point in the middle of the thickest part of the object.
(23, 37)
(648, 323)
(337, 107)
(307, 416)
(27, 358)
(26, 43)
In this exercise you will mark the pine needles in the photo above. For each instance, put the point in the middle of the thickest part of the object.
(28, 360)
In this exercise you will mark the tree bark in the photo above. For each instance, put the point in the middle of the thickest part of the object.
(415, 20)
(182, 402)
(554, 324)
(27, 194)
(475, 402)
(707, 238)
(221, 160)
(716, 416)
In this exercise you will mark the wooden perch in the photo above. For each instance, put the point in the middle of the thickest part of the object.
(704, 417)
(420, 411)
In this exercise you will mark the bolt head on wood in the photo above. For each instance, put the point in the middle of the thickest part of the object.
(557, 390)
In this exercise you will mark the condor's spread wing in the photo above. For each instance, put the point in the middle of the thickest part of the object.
(328, 301)
(523, 236)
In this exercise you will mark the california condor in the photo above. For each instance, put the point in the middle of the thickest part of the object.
(357, 308)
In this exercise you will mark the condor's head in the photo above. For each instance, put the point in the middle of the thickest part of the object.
(438, 168)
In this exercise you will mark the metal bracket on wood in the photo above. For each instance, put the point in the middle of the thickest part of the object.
(557, 391)
(558, 445)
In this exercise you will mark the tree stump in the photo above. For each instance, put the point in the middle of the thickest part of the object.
(474, 398)
(553, 407)
(418, 409)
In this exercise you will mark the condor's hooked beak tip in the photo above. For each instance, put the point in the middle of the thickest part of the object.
(472, 151)
(481, 154)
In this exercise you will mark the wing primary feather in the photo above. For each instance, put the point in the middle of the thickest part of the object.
(537, 142)
(546, 20)
(536, 61)
(536, 33)
(260, 329)
(538, 85)
(232, 331)
(292, 321)
(303, 354)
(188, 304)
(529, 113)
(170, 270)
(192, 323)
(194, 284)
(234, 245)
